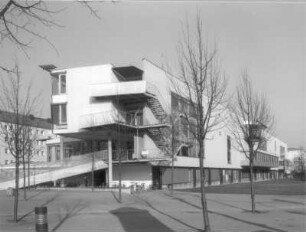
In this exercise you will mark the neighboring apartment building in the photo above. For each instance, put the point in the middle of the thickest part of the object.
(124, 110)
(38, 126)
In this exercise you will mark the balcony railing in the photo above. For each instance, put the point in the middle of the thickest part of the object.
(262, 160)
(123, 155)
(119, 88)
(114, 116)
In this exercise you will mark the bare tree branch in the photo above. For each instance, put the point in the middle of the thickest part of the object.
(16, 109)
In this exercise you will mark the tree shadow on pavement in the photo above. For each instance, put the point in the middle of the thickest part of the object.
(133, 219)
(36, 194)
(70, 211)
(291, 202)
(227, 216)
(170, 216)
(48, 201)
(114, 195)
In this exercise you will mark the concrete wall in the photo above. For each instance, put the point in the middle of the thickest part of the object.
(78, 81)
(158, 79)
(216, 151)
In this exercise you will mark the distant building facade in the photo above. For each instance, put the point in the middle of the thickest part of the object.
(42, 128)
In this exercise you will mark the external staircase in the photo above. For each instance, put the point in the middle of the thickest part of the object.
(156, 131)
(157, 109)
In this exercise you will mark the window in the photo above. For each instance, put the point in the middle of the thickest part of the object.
(6, 138)
(59, 84)
(6, 162)
(59, 114)
(58, 152)
(6, 150)
(282, 152)
(229, 147)
(184, 151)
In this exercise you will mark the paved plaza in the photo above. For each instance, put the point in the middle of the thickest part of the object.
(77, 210)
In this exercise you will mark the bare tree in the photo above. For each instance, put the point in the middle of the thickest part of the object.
(251, 123)
(202, 85)
(29, 147)
(300, 164)
(19, 20)
(17, 105)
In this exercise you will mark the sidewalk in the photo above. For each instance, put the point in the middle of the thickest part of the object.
(155, 211)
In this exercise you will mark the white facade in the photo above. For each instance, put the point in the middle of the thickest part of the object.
(100, 103)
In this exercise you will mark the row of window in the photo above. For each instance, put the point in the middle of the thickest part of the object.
(34, 131)
(266, 158)
(41, 153)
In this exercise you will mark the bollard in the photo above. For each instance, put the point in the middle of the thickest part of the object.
(41, 219)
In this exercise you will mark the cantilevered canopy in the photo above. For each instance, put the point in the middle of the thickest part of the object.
(128, 73)
(48, 67)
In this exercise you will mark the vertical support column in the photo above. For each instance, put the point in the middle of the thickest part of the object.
(194, 177)
(61, 147)
(110, 163)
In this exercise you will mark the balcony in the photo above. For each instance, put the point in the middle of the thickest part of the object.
(127, 89)
(116, 117)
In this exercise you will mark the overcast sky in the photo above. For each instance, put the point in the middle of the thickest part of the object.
(267, 38)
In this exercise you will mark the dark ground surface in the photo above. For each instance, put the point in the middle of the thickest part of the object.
(275, 187)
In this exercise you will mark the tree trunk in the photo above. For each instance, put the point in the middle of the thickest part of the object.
(120, 175)
(93, 172)
(203, 195)
(16, 188)
(29, 185)
(252, 184)
(24, 178)
(172, 164)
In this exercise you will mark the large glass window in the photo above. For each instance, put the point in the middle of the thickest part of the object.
(63, 83)
(59, 114)
(59, 84)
